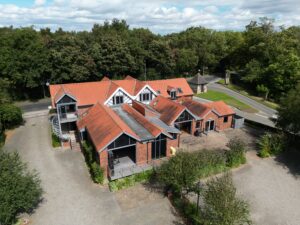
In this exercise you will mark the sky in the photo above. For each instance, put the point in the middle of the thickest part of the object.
(160, 16)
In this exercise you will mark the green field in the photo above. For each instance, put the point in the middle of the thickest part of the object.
(217, 96)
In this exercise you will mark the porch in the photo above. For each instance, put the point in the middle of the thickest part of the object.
(125, 166)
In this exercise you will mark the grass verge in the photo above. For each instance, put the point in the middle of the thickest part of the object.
(242, 91)
(219, 96)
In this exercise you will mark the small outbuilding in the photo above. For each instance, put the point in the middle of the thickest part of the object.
(198, 83)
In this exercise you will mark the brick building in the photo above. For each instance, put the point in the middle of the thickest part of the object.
(132, 123)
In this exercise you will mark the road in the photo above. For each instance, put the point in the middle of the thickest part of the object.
(254, 104)
(29, 106)
(264, 114)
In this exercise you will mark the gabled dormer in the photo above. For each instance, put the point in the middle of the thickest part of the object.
(146, 95)
(172, 91)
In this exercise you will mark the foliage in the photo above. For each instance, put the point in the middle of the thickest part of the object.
(289, 112)
(55, 140)
(182, 171)
(236, 153)
(179, 172)
(2, 135)
(271, 144)
(264, 55)
(187, 209)
(96, 172)
(130, 180)
(209, 162)
(221, 206)
(10, 115)
(217, 96)
(261, 89)
(20, 189)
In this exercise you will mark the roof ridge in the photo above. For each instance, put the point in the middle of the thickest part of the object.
(114, 120)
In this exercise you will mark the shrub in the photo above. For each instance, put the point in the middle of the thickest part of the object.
(221, 206)
(55, 141)
(96, 172)
(20, 189)
(179, 172)
(210, 162)
(236, 153)
(130, 180)
(271, 144)
(10, 115)
(2, 135)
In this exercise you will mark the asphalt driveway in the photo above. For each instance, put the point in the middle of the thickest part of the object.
(272, 190)
(70, 196)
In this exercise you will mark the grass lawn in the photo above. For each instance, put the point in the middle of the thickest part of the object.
(242, 91)
(217, 96)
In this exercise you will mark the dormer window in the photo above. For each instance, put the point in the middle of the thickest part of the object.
(117, 100)
(145, 97)
(173, 94)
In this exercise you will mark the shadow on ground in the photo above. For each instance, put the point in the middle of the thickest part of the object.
(291, 161)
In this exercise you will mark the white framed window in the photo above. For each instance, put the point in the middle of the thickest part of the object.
(145, 97)
(117, 100)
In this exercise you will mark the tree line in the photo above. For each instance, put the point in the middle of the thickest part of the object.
(265, 57)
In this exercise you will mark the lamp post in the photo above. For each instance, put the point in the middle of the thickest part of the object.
(198, 189)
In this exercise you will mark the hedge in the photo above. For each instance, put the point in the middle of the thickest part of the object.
(96, 172)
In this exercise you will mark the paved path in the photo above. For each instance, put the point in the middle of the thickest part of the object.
(70, 196)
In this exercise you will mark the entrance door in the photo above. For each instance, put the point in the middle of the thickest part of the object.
(159, 147)
(209, 125)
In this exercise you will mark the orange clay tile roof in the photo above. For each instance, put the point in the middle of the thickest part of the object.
(105, 78)
(162, 86)
(202, 109)
(90, 93)
(221, 107)
(199, 109)
(104, 126)
(153, 129)
(168, 109)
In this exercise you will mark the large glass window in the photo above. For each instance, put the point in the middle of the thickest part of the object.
(122, 141)
(159, 147)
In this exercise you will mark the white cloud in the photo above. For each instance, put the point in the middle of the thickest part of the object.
(39, 2)
(160, 16)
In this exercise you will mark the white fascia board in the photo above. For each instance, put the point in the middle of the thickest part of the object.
(146, 86)
(118, 89)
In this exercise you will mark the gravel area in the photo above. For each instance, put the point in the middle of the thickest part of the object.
(70, 196)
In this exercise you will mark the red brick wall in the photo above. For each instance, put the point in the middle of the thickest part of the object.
(172, 143)
(143, 156)
(223, 125)
(103, 159)
(211, 116)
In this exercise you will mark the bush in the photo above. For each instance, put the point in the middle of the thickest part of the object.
(221, 205)
(179, 172)
(235, 156)
(2, 135)
(210, 162)
(130, 180)
(20, 189)
(271, 144)
(10, 116)
(55, 141)
(96, 172)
